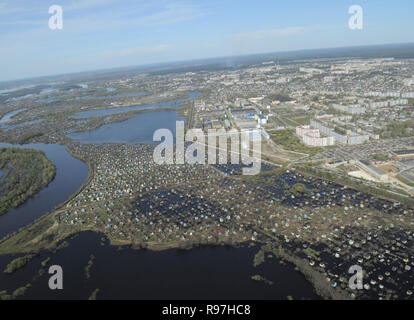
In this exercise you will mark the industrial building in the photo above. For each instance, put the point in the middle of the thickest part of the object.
(372, 170)
(244, 113)
(402, 154)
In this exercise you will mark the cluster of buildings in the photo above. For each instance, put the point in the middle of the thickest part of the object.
(403, 154)
(246, 116)
(388, 103)
(409, 81)
(312, 137)
(389, 94)
(212, 119)
(350, 137)
(359, 109)
(351, 109)
(250, 118)
(320, 134)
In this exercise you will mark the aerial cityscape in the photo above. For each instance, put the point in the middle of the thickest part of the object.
(328, 214)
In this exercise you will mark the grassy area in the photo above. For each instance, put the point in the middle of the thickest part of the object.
(398, 129)
(380, 157)
(289, 141)
(24, 240)
(404, 180)
(18, 263)
(303, 120)
(298, 189)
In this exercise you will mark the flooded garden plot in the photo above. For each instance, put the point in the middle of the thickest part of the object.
(236, 169)
(387, 275)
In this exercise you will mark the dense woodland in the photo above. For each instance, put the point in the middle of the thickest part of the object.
(25, 172)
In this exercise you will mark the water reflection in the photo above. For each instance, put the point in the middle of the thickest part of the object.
(138, 129)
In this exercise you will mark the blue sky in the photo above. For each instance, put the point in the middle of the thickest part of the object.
(100, 34)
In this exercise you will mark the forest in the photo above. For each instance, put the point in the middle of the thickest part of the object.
(25, 172)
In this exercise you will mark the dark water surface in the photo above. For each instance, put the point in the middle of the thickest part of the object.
(166, 104)
(201, 273)
(138, 129)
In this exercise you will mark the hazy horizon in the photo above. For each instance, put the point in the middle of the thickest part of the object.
(216, 59)
(109, 34)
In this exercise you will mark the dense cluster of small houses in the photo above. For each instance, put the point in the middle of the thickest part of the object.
(132, 198)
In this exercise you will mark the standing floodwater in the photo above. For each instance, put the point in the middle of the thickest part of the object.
(201, 273)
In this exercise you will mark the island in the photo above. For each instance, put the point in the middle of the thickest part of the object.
(24, 173)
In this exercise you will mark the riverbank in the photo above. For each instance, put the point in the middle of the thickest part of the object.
(27, 172)
(70, 175)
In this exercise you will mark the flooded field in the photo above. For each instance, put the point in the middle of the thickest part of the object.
(201, 273)
(138, 129)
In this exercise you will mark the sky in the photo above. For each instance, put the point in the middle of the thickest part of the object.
(102, 34)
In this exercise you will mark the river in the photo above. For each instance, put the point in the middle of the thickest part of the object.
(71, 174)
(138, 129)
(109, 111)
(7, 117)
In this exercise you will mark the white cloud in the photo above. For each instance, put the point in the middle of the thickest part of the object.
(23, 22)
(136, 51)
(172, 12)
(86, 4)
(270, 33)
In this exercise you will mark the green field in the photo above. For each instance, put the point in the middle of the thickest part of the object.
(289, 141)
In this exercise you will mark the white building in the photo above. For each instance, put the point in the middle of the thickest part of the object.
(312, 137)
(352, 109)
(351, 139)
